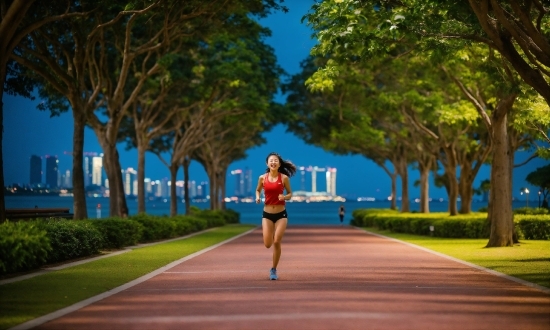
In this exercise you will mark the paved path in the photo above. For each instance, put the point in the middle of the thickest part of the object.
(330, 278)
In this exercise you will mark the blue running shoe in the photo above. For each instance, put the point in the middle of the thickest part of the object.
(273, 274)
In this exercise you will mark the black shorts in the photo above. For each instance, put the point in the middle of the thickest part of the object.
(275, 216)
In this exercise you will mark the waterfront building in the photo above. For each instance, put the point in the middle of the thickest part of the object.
(192, 189)
(239, 182)
(148, 187)
(130, 182)
(97, 169)
(331, 181)
(248, 182)
(51, 171)
(36, 170)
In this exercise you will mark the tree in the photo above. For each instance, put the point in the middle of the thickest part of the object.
(18, 19)
(357, 31)
(540, 178)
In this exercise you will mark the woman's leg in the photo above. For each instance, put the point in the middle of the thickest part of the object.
(268, 228)
(280, 227)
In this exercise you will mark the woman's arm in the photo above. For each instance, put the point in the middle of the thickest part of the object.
(259, 188)
(286, 183)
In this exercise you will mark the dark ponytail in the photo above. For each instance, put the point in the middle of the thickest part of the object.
(286, 167)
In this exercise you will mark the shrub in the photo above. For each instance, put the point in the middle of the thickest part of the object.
(533, 226)
(530, 210)
(154, 227)
(231, 216)
(71, 239)
(365, 217)
(23, 246)
(117, 232)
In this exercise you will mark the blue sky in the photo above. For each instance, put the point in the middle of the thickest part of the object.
(28, 131)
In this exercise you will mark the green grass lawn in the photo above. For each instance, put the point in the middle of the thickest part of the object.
(40, 295)
(529, 260)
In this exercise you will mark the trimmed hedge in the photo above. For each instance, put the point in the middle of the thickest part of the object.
(474, 225)
(533, 227)
(71, 239)
(118, 232)
(530, 210)
(29, 244)
(23, 246)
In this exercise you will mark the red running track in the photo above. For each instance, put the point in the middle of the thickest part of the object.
(329, 278)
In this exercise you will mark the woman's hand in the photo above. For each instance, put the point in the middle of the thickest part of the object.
(281, 197)
(258, 200)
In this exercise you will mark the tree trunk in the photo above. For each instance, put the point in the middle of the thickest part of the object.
(121, 199)
(141, 177)
(465, 188)
(393, 202)
(453, 190)
(173, 196)
(404, 173)
(424, 188)
(222, 190)
(501, 217)
(2, 184)
(111, 176)
(186, 162)
(80, 210)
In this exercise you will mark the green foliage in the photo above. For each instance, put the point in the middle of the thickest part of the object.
(71, 239)
(155, 227)
(533, 227)
(530, 211)
(118, 232)
(23, 246)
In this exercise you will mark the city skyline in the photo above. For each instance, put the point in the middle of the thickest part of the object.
(94, 174)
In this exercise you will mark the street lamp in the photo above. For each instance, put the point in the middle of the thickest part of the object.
(526, 191)
(540, 192)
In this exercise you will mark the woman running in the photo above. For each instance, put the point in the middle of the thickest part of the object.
(274, 219)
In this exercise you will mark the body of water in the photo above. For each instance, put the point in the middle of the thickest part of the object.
(321, 213)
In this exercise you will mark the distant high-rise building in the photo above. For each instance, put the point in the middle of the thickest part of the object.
(331, 181)
(192, 189)
(302, 178)
(67, 183)
(239, 182)
(97, 169)
(148, 187)
(88, 168)
(36, 170)
(129, 179)
(164, 188)
(179, 188)
(248, 181)
(51, 171)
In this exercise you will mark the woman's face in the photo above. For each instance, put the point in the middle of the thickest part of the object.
(273, 162)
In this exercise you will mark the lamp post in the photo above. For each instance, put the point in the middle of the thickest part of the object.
(526, 191)
(540, 192)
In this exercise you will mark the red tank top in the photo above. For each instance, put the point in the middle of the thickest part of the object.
(272, 190)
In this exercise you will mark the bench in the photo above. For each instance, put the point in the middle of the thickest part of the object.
(15, 214)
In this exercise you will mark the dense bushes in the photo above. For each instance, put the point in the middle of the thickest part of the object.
(22, 246)
(530, 210)
(28, 245)
(71, 239)
(118, 232)
(473, 225)
(533, 227)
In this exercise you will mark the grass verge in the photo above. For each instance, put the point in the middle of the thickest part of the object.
(529, 260)
(37, 296)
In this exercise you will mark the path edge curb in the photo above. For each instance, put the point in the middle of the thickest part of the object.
(66, 310)
(493, 272)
